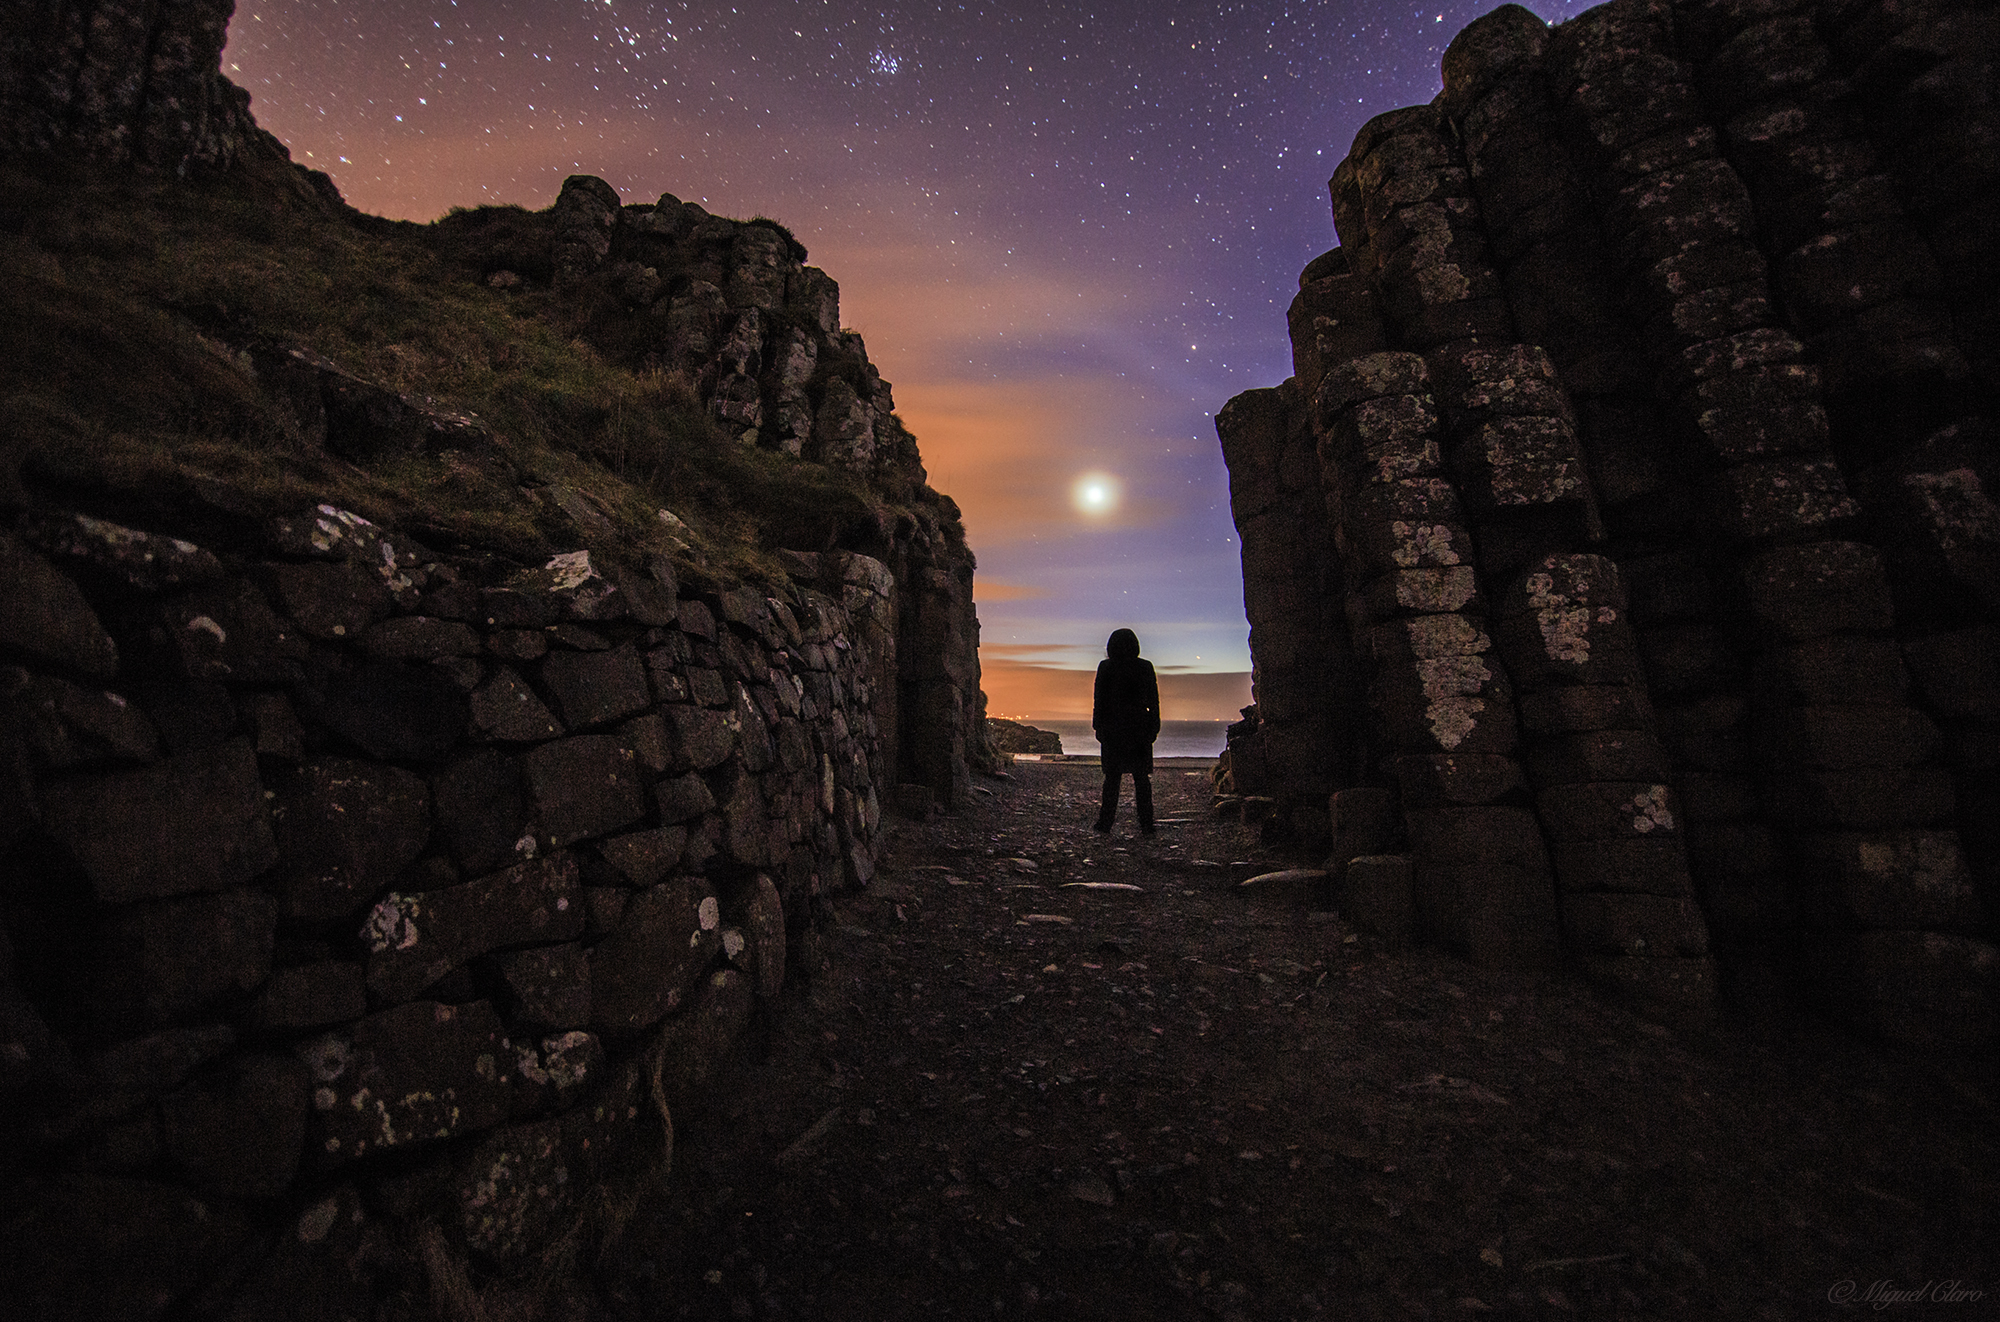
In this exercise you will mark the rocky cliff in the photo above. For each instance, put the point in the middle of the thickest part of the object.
(1622, 549)
(442, 671)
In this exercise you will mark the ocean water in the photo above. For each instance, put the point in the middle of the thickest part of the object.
(1177, 738)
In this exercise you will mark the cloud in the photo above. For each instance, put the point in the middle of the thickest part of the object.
(1024, 690)
(988, 590)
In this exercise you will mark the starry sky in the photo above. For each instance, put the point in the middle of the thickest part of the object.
(1067, 231)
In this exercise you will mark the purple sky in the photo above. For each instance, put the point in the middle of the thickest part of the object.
(1068, 233)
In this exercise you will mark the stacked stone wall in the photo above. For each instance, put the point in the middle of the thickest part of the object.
(1653, 387)
(348, 891)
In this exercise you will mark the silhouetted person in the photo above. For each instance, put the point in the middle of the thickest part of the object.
(1125, 713)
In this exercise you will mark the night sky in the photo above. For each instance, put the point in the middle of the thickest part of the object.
(1068, 234)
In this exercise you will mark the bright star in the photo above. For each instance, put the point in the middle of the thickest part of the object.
(1095, 493)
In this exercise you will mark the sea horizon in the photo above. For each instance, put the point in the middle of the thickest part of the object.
(1177, 738)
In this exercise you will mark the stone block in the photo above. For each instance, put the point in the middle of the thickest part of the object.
(759, 913)
(1407, 524)
(595, 688)
(1632, 865)
(548, 987)
(645, 969)
(146, 561)
(313, 995)
(1576, 709)
(1841, 668)
(1789, 498)
(394, 711)
(517, 644)
(1743, 351)
(413, 1075)
(1599, 755)
(1846, 738)
(195, 822)
(1474, 382)
(1809, 591)
(585, 786)
(420, 638)
(1701, 202)
(644, 857)
(1496, 915)
(649, 740)
(1626, 923)
(345, 829)
(1870, 799)
(1451, 704)
(1429, 591)
(1440, 780)
(550, 1075)
(1403, 643)
(227, 631)
(415, 939)
(147, 1067)
(1709, 314)
(189, 713)
(1381, 440)
(748, 836)
(275, 727)
(1608, 811)
(238, 1131)
(694, 1044)
(1482, 835)
(1376, 895)
(1886, 879)
(506, 710)
(1565, 622)
(1362, 820)
(701, 738)
(69, 725)
(683, 798)
(1510, 463)
(482, 811)
(43, 615)
(1763, 411)
(164, 959)
(520, 1190)
(1372, 376)
(1958, 673)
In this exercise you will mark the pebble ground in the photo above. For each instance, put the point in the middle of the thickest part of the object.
(1037, 1071)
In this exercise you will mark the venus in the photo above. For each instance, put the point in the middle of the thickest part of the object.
(1096, 493)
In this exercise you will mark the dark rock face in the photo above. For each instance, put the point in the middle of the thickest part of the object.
(300, 919)
(1633, 486)
(1013, 737)
(124, 82)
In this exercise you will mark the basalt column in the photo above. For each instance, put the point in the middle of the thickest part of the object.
(1702, 296)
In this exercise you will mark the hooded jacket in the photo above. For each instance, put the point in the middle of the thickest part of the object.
(1125, 706)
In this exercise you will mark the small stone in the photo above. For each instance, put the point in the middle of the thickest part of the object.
(1090, 1187)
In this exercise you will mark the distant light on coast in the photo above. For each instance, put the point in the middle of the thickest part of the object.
(1096, 493)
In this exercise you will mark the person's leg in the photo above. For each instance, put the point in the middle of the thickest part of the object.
(1142, 794)
(1108, 806)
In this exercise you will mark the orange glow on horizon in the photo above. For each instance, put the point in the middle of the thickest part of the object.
(1052, 694)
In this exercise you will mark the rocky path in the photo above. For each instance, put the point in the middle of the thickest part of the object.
(1045, 1073)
